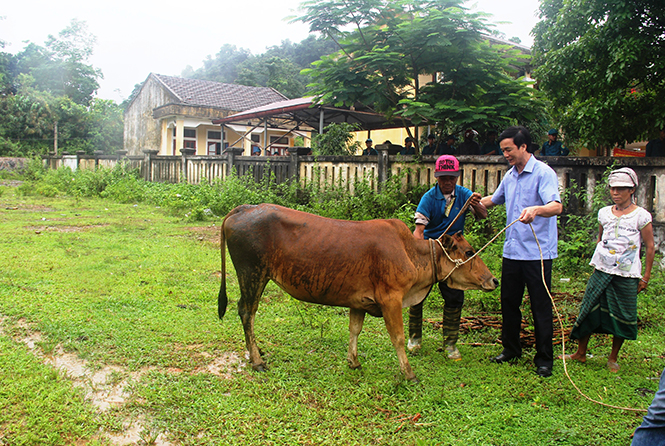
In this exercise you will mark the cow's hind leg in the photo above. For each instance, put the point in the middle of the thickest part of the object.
(356, 319)
(392, 316)
(251, 288)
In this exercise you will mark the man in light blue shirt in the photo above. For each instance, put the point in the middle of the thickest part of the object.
(530, 191)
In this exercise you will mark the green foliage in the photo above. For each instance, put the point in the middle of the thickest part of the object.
(578, 232)
(52, 88)
(60, 66)
(600, 63)
(385, 45)
(336, 140)
(278, 67)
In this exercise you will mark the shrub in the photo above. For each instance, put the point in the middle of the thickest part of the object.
(336, 140)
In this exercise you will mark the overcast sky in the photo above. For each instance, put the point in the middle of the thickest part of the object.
(137, 37)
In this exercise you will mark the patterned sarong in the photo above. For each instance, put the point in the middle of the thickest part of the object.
(609, 306)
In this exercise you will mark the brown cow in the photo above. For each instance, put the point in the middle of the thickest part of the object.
(374, 267)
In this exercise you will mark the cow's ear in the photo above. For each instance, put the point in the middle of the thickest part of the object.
(446, 241)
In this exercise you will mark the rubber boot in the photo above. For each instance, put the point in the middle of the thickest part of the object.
(415, 327)
(451, 321)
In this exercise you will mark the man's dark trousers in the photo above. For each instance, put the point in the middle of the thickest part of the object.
(515, 275)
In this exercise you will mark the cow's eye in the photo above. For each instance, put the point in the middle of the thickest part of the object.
(469, 254)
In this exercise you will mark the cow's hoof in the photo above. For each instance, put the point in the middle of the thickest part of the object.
(414, 380)
(355, 366)
(260, 367)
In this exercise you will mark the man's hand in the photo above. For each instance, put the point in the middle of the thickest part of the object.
(478, 209)
(419, 232)
(529, 214)
(549, 210)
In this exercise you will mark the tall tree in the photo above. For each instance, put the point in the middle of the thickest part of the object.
(386, 45)
(272, 71)
(61, 66)
(602, 64)
(44, 85)
(278, 67)
(223, 67)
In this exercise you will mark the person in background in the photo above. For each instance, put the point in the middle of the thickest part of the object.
(656, 147)
(552, 147)
(369, 150)
(256, 151)
(408, 149)
(436, 211)
(491, 146)
(448, 147)
(431, 147)
(469, 146)
(610, 299)
(530, 191)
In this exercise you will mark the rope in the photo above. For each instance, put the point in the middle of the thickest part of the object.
(563, 338)
(458, 263)
(461, 212)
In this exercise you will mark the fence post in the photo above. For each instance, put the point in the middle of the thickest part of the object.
(384, 164)
(79, 155)
(231, 153)
(294, 163)
(148, 163)
(97, 154)
(186, 152)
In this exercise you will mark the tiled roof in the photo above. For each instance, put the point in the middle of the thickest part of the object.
(216, 94)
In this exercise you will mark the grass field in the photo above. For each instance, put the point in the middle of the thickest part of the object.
(109, 335)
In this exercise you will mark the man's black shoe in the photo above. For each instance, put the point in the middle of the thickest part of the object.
(503, 358)
(544, 371)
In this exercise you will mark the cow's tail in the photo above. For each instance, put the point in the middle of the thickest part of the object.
(222, 300)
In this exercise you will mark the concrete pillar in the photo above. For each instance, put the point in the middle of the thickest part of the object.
(185, 152)
(384, 164)
(149, 154)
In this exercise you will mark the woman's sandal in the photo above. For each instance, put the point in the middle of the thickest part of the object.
(613, 366)
(570, 358)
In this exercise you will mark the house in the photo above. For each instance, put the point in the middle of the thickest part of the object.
(170, 113)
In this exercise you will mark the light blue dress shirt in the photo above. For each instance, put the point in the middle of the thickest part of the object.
(537, 185)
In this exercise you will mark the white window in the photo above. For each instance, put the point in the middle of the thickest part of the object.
(188, 140)
(214, 142)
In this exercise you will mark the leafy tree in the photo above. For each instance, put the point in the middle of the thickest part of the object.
(105, 126)
(272, 71)
(336, 140)
(45, 86)
(223, 68)
(279, 67)
(386, 45)
(601, 63)
(60, 67)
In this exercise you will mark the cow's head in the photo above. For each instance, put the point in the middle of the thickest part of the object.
(470, 274)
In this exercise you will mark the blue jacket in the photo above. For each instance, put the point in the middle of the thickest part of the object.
(556, 149)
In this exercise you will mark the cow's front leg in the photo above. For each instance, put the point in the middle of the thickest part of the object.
(356, 319)
(392, 316)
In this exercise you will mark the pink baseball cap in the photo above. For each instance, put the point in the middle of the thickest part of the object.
(446, 165)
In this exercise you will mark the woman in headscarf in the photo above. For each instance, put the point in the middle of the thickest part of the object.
(610, 300)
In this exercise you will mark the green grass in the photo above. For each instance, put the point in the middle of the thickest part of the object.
(132, 287)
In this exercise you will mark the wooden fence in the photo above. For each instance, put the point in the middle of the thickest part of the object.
(479, 173)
